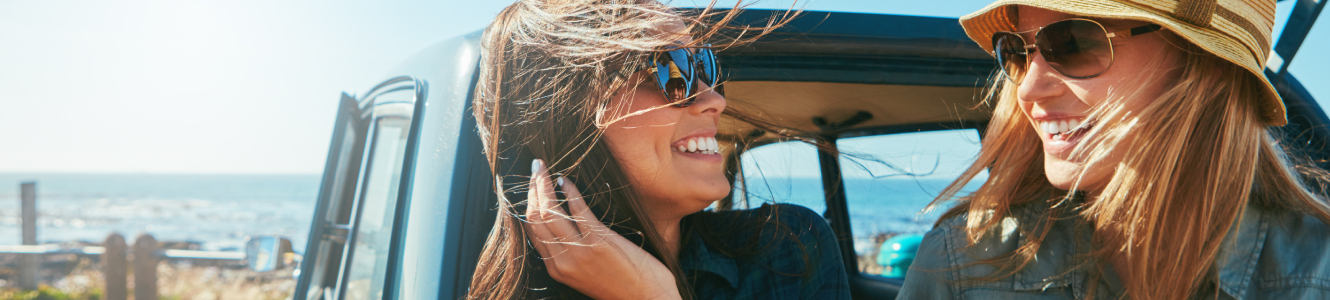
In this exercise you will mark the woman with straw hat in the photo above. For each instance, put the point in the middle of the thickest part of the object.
(1133, 153)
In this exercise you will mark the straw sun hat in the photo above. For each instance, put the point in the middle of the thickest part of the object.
(1237, 30)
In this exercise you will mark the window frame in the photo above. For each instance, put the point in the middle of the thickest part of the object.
(330, 249)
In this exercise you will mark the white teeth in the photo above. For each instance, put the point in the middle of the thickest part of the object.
(705, 145)
(1061, 126)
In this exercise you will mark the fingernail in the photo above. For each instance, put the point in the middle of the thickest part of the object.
(536, 165)
(560, 181)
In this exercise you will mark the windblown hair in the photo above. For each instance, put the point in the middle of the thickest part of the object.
(546, 79)
(1191, 161)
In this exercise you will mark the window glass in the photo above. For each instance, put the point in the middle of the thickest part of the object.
(785, 172)
(323, 261)
(889, 179)
(368, 263)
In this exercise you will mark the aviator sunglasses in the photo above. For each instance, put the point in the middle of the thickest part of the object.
(677, 70)
(1076, 48)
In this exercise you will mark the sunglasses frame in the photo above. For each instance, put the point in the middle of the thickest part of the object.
(1027, 47)
(688, 70)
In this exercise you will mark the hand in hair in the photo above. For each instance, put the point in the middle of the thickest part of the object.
(581, 252)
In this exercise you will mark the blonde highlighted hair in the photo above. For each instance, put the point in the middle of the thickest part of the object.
(1191, 161)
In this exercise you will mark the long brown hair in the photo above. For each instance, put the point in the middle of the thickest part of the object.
(546, 78)
(1199, 154)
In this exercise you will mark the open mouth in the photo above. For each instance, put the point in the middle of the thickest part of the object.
(1065, 129)
(697, 145)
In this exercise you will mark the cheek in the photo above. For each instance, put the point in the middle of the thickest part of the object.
(632, 149)
(1136, 77)
(1093, 92)
(641, 142)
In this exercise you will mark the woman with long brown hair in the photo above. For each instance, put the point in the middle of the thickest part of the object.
(1133, 153)
(614, 105)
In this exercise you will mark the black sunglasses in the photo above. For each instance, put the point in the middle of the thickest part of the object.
(676, 70)
(1076, 48)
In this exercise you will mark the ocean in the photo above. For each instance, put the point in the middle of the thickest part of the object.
(877, 206)
(218, 211)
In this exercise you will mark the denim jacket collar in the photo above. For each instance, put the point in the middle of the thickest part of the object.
(1056, 264)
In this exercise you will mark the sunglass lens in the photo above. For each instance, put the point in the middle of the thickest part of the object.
(662, 65)
(673, 79)
(669, 78)
(681, 58)
(706, 61)
(677, 89)
(1076, 48)
(1011, 55)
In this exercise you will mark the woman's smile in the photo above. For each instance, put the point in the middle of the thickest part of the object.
(699, 146)
(1061, 135)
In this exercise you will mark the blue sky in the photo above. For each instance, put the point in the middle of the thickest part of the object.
(250, 86)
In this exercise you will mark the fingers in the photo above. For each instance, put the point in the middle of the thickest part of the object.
(549, 227)
(535, 231)
(540, 235)
(587, 222)
(540, 188)
(538, 241)
(557, 221)
(593, 231)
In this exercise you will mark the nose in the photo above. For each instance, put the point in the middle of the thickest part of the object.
(1041, 82)
(707, 102)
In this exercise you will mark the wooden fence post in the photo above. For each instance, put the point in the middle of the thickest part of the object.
(145, 268)
(113, 267)
(29, 269)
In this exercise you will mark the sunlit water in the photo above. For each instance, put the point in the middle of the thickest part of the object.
(218, 211)
(877, 206)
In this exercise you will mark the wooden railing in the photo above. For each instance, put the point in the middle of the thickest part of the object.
(117, 258)
(115, 255)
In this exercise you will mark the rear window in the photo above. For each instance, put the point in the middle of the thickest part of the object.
(888, 180)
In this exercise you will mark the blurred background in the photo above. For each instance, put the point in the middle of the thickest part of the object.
(204, 122)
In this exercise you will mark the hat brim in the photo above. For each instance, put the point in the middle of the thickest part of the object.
(999, 16)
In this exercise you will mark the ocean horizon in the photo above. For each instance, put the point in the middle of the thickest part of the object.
(218, 211)
(215, 210)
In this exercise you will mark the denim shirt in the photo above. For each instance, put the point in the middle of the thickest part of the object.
(1269, 254)
(806, 265)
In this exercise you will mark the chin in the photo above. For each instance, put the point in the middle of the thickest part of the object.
(1063, 174)
(1060, 173)
(715, 189)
